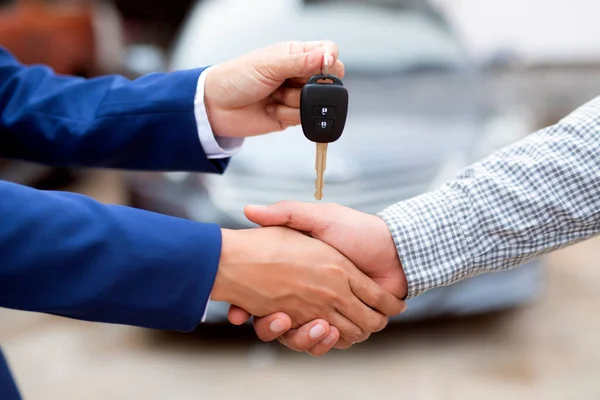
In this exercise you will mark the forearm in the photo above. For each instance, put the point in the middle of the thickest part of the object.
(528, 199)
(143, 124)
(69, 255)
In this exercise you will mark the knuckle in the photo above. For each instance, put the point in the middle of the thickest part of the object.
(363, 337)
(398, 308)
(378, 323)
(298, 64)
(293, 46)
(379, 297)
(298, 219)
(355, 335)
(348, 267)
(334, 300)
(337, 269)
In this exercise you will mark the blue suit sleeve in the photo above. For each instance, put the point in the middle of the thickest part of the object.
(112, 122)
(68, 255)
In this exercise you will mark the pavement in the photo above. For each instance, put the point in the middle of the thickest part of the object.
(546, 350)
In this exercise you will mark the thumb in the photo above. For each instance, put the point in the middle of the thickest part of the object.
(300, 216)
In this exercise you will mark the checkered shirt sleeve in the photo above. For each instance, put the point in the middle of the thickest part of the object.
(530, 198)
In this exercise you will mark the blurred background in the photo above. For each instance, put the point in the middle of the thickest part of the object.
(434, 85)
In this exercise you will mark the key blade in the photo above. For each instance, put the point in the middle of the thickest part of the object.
(320, 165)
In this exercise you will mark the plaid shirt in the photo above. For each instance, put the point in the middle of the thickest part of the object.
(530, 198)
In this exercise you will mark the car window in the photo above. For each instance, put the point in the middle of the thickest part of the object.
(372, 37)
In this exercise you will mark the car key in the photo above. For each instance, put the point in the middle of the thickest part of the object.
(323, 110)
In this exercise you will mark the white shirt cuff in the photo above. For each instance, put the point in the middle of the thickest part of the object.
(205, 310)
(214, 147)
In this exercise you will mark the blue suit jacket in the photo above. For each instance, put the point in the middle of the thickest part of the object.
(68, 255)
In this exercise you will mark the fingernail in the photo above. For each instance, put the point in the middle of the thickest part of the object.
(277, 326)
(329, 60)
(317, 331)
(329, 339)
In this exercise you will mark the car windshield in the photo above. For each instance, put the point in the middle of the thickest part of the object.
(373, 36)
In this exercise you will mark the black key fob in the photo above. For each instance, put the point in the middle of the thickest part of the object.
(323, 108)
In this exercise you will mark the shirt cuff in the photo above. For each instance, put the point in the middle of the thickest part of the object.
(214, 147)
(206, 310)
(430, 239)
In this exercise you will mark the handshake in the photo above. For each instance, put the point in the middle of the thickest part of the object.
(314, 276)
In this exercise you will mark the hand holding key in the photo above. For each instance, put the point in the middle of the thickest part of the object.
(259, 92)
(323, 110)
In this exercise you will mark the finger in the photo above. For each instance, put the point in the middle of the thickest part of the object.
(285, 126)
(295, 83)
(337, 69)
(325, 345)
(305, 217)
(307, 336)
(237, 316)
(321, 47)
(288, 96)
(272, 326)
(289, 93)
(367, 319)
(327, 46)
(376, 297)
(297, 59)
(342, 345)
(353, 309)
(369, 299)
(349, 330)
(284, 114)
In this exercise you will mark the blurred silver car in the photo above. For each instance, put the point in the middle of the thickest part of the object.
(417, 115)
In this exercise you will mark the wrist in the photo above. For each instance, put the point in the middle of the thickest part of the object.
(222, 288)
(234, 261)
(400, 284)
(210, 105)
(403, 284)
